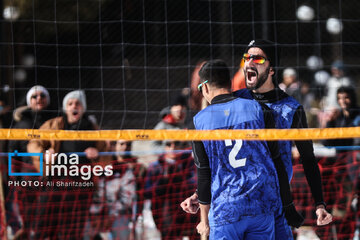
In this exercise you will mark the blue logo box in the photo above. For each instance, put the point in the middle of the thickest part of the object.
(17, 154)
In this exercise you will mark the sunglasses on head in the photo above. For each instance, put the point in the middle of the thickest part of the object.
(256, 58)
(41, 95)
(201, 84)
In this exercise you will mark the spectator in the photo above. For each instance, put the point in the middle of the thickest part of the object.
(123, 149)
(337, 79)
(31, 116)
(163, 184)
(328, 114)
(115, 197)
(172, 117)
(337, 171)
(290, 84)
(183, 167)
(302, 92)
(345, 117)
(310, 103)
(75, 200)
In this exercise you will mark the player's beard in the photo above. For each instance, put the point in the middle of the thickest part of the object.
(261, 79)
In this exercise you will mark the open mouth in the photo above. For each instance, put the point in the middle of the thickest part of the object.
(251, 75)
(75, 113)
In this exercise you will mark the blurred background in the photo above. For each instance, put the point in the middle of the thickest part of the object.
(131, 56)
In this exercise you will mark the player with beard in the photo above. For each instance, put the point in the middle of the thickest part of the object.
(259, 70)
(238, 180)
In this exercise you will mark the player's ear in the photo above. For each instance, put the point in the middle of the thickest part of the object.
(271, 71)
(206, 92)
(206, 88)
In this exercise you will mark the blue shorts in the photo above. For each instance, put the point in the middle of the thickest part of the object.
(282, 229)
(249, 228)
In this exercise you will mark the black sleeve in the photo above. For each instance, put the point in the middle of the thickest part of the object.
(308, 160)
(204, 173)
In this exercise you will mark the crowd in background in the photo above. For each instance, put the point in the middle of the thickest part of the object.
(116, 202)
(107, 209)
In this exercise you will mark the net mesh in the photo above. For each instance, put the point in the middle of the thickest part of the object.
(340, 176)
(142, 200)
(133, 201)
(131, 58)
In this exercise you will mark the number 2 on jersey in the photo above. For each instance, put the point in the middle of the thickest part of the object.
(235, 163)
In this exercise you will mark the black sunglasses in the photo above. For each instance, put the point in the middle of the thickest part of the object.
(42, 95)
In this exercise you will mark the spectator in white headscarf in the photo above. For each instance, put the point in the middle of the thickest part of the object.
(78, 199)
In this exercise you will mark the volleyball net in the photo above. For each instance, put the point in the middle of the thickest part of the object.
(134, 60)
(139, 195)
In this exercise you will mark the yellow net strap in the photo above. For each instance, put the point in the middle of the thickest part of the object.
(182, 135)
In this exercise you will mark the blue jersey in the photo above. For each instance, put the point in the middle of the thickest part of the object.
(284, 110)
(243, 177)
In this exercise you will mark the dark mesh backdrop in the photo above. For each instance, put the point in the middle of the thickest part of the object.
(132, 56)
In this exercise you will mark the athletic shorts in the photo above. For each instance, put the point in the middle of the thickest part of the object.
(248, 228)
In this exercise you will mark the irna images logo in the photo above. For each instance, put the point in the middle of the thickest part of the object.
(61, 164)
(19, 155)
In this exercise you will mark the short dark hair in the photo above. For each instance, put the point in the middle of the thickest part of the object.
(351, 93)
(178, 100)
(216, 72)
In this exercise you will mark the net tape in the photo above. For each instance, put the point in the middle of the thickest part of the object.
(185, 135)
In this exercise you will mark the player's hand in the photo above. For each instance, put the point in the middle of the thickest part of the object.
(91, 153)
(203, 229)
(323, 217)
(191, 204)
